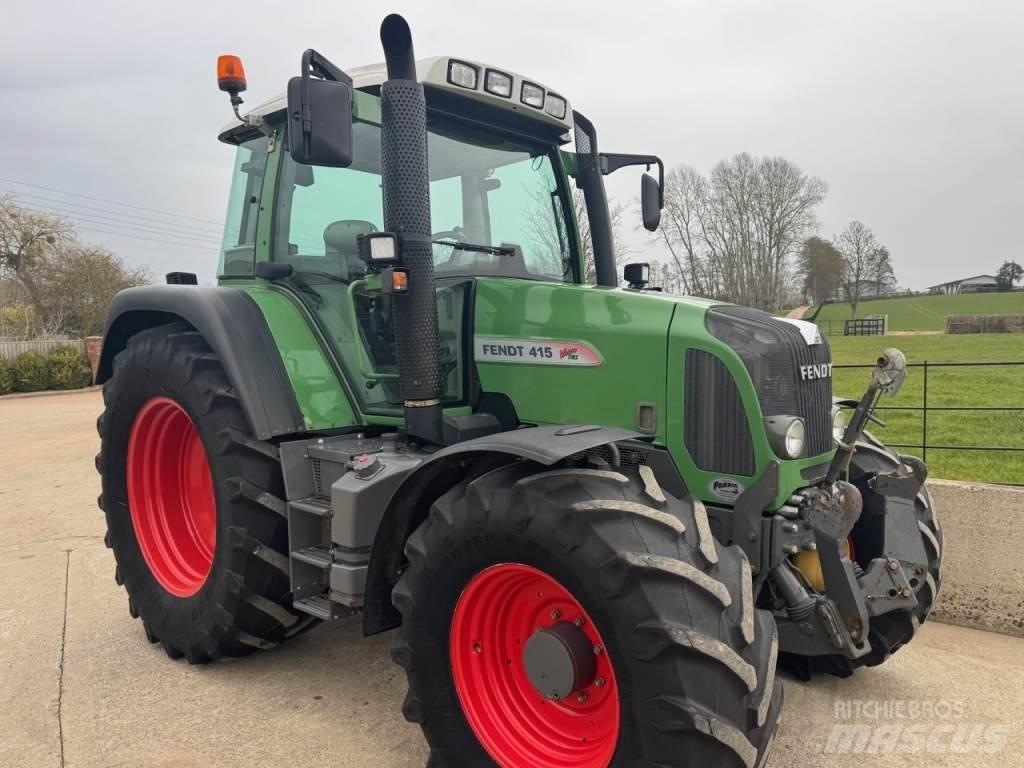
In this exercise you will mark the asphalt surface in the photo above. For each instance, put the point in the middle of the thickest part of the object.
(81, 687)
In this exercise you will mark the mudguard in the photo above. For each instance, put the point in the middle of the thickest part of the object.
(411, 501)
(233, 326)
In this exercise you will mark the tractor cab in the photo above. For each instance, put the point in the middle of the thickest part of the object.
(500, 201)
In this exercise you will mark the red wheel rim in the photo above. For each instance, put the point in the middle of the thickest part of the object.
(170, 497)
(496, 614)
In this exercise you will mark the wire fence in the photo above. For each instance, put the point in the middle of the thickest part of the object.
(925, 408)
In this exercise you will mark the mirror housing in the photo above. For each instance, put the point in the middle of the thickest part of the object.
(650, 202)
(320, 114)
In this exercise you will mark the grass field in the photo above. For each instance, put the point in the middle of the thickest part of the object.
(948, 387)
(922, 313)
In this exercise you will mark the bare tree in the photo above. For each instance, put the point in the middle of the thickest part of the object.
(53, 282)
(861, 254)
(736, 234)
(550, 240)
(616, 212)
(681, 230)
(27, 239)
(884, 276)
(821, 266)
(79, 287)
(667, 276)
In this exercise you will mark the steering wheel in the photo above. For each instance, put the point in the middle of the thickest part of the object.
(451, 234)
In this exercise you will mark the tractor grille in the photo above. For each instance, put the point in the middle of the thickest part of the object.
(715, 427)
(773, 352)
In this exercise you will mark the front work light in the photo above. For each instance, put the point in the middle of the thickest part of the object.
(637, 274)
(463, 74)
(555, 106)
(498, 83)
(787, 435)
(378, 248)
(532, 95)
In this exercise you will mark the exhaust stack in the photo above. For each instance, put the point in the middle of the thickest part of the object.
(406, 192)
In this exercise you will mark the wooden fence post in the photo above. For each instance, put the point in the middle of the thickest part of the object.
(93, 348)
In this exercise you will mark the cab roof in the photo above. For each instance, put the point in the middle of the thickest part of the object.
(433, 72)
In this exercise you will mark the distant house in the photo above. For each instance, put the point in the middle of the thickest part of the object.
(976, 284)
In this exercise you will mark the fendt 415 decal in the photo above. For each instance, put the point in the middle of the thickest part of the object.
(539, 351)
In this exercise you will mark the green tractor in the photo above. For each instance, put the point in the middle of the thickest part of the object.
(598, 516)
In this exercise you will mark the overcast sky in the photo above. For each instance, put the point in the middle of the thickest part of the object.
(912, 111)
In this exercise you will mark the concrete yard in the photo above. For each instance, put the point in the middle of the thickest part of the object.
(80, 686)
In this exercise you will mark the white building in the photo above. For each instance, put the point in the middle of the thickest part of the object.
(976, 284)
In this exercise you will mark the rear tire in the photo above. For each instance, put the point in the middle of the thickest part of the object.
(206, 582)
(689, 661)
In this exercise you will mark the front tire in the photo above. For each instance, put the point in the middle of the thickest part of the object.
(685, 666)
(192, 502)
(891, 631)
(888, 632)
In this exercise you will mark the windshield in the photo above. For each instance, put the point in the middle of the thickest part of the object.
(484, 191)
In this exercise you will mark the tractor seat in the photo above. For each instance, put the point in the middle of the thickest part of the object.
(340, 240)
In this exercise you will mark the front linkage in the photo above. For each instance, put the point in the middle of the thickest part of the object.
(823, 592)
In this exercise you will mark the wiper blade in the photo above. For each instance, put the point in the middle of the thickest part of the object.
(460, 245)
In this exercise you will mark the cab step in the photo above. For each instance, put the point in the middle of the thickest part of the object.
(323, 608)
(318, 556)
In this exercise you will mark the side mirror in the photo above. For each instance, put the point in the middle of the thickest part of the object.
(320, 114)
(651, 194)
(650, 202)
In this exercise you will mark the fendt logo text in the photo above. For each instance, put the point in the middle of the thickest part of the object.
(816, 371)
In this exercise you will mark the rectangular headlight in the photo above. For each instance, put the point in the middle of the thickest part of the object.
(498, 83)
(532, 95)
(555, 106)
(463, 74)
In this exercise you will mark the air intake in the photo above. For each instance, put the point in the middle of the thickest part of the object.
(715, 428)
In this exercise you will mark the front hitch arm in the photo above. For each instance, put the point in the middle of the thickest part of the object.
(833, 511)
(886, 379)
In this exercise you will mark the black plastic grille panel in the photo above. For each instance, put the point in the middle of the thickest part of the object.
(773, 351)
(715, 427)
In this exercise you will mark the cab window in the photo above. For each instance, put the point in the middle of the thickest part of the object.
(238, 251)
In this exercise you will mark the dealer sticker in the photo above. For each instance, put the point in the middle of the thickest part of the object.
(535, 351)
(725, 488)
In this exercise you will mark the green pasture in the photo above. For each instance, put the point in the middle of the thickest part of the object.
(948, 387)
(921, 313)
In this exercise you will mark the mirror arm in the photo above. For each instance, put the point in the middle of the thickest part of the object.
(317, 64)
(611, 162)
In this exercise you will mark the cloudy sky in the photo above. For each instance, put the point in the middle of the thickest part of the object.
(912, 111)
